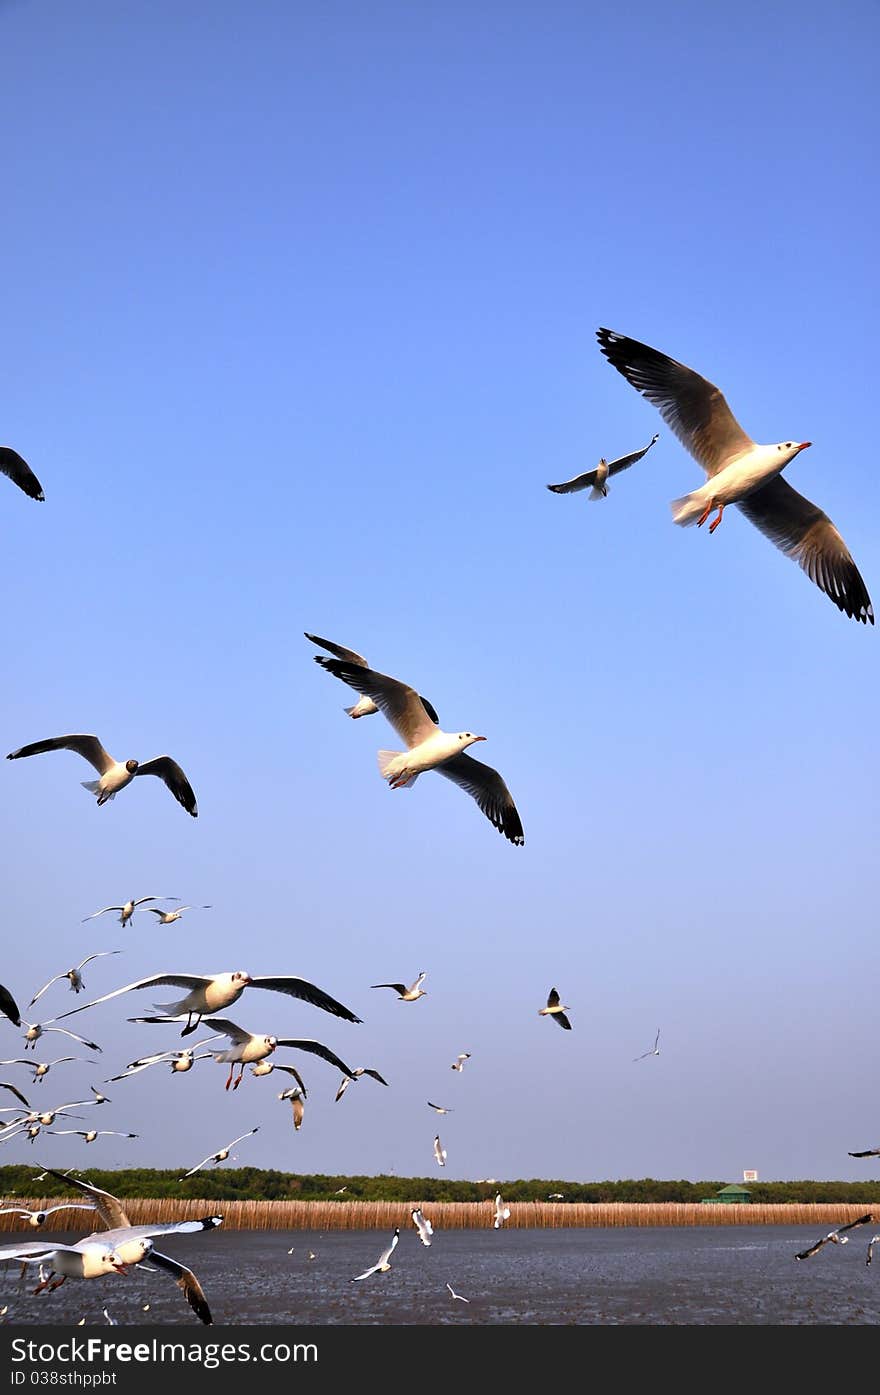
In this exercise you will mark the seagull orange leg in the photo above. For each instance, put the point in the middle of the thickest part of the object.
(240, 1077)
(715, 521)
(705, 514)
(229, 1078)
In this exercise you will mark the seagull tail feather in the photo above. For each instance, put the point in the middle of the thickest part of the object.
(688, 508)
(391, 766)
(91, 785)
(596, 493)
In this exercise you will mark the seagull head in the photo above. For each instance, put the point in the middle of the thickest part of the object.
(241, 977)
(467, 738)
(131, 766)
(789, 449)
(270, 1043)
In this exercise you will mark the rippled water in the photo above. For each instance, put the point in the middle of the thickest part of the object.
(663, 1276)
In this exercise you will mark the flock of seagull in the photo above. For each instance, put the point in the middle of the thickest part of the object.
(739, 471)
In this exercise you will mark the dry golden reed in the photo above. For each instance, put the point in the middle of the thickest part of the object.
(451, 1215)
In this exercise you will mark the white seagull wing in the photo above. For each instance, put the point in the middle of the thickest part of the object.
(89, 747)
(42, 990)
(154, 981)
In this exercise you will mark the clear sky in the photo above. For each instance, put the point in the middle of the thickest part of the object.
(299, 316)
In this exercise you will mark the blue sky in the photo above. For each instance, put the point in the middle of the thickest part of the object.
(300, 309)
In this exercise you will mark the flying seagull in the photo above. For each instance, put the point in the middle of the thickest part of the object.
(596, 480)
(837, 1237)
(86, 1259)
(214, 992)
(457, 1295)
(179, 1061)
(18, 470)
(556, 1010)
(867, 1153)
(439, 1108)
(221, 1155)
(423, 1226)
(37, 1029)
(267, 1067)
(458, 1063)
(169, 917)
(365, 705)
(429, 748)
(42, 1068)
(502, 1213)
(9, 1007)
(655, 1049)
(296, 1097)
(382, 1264)
(439, 1153)
(356, 1075)
(115, 775)
(740, 471)
(872, 1242)
(91, 1134)
(128, 910)
(247, 1047)
(406, 995)
(556, 1196)
(73, 975)
(35, 1219)
(134, 1244)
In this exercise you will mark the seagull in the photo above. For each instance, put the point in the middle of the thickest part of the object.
(115, 775)
(423, 1226)
(439, 1108)
(221, 1155)
(596, 480)
(837, 1237)
(439, 1153)
(91, 1134)
(18, 470)
(267, 1067)
(134, 1244)
(457, 1295)
(295, 1095)
(179, 1061)
(458, 1063)
(365, 705)
(35, 1219)
(168, 917)
(247, 1047)
(74, 974)
(8, 1006)
(128, 910)
(111, 1321)
(213, 992)
(867, 1153)
(871, 1244)
(556, 1010)
(356, 1075)
(36, 1029)
(340, 1190)
(42, 1068)
(429, 748)
(382, 1264)
(406, 995)
(740, 471)
(655, 1049)
(99, 1098)
(502, 1213)
(556, 1196)
(87, 1259)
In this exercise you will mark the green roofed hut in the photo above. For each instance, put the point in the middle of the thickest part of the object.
(731, 1195)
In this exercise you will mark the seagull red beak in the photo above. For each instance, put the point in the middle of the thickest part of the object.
(481, 738)
(803, 445)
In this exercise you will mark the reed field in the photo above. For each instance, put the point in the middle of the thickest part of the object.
(451, 1215)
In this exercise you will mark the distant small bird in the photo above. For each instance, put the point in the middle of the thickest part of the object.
(110, 1320)
(36, 1029)
(439, 1153)
(91, 1134)
(290, 1251)
(836, 1237)
(42, 1068)
(382, 1264)
(458, 1063)
(502, 1213)
(872, 1243)
(556, 1196)
(17, 469)
(74, 975)
(867, 1153)
(35, 1219)
(423, 1226)
(311, 1255)
(655, 1049)
(439, 1108)
(8, 1006)
(128, 909)
(99, 1098)
(595, 480)
(457, 1295)
(406, 995)
(115, 775)
(221, 1155)
(179, 1061)
(365, 706)
(295, 1095)
(169, 917)
(340, 1190)
(556, 1010)
(356, 1075)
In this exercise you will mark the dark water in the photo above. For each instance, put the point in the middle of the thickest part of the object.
(744, 1275)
